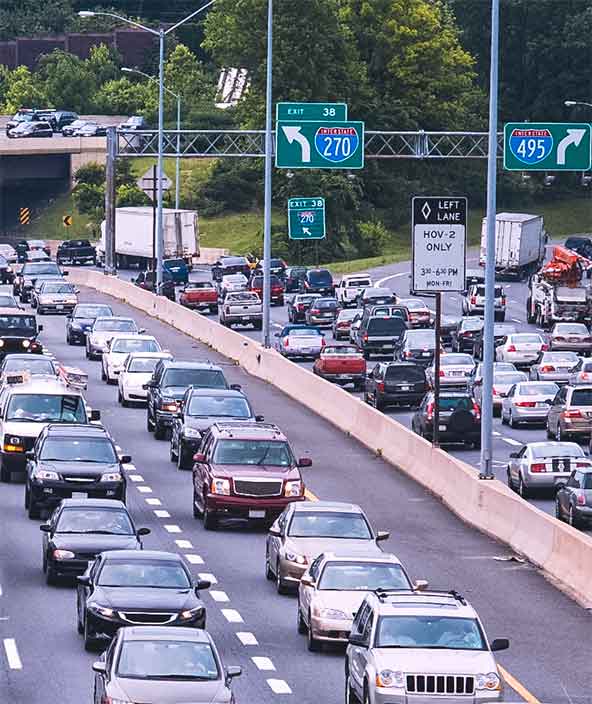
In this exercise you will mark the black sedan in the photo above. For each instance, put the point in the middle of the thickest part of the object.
(81, 320)
(79, 529)
(137, 588)
(70, 459)
(294, 278)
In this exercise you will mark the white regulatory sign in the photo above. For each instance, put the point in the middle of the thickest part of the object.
(439, 228)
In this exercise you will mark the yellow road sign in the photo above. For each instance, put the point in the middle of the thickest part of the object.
(24, 216)
(67, 220)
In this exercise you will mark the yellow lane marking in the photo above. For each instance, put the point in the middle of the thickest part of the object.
(310, 496)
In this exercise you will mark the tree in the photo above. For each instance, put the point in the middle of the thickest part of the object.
(21, 88)
(92, 174)
(103, 63)
(30, 17)
(124, 97)
(90, 200)
(186, 76)
(131, 196)
(68, 80)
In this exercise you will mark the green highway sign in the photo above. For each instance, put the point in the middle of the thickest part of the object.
(311, 111)
(319, 144)
(306, 218)
(547, 146)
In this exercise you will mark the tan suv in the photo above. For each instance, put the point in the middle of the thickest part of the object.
(570, 414)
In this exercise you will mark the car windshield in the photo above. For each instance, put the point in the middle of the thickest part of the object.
(8, 302)
(581, 397)
(308, 298)
(359, 283)
(526, 339)
(219, 406)
(448, 360)
(18, 325)
(271, 453)
(245, 297)
(94, 520)
(167, 660)
(57, 288)
(203, 378)
(570, 357)
(500, 367)
(199, 285)
(326, 305)
(143, 365)
(341, 351)
(472, 324)
(234, 261)
(94, 450)
(508, 378)
(35, 268)
(320, 277)
(329, 524)
(115, 326)
(571, 329)
(536, 389)
(89, 311)
(362, 577)
(304, 332)
(421, 338)
(135, 344)
(348, 314)
(53, 408)
(166, 574)
(386, 326)
(410, 373)
(451, 403)
(32, 364)
(564, 449)
(499, 291)
(174, 262)
(437, 632)
(413, 304)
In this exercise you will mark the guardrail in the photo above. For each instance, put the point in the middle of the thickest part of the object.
(560, 551)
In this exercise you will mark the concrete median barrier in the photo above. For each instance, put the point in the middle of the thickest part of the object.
(561, 552)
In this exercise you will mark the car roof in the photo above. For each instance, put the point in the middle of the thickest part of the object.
(363, 555)
(43, 385)
(114, 317)
(16, 311)
(139, 555)
(93, 503)
(186, 364)
(149, 355)
(196, 635)
(226, 393)
(128, 336)
(406, 602)
(326, 507)
(247, 430)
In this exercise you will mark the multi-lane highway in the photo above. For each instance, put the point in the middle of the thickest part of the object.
(43, 658)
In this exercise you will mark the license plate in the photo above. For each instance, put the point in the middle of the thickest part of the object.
(456, 374)
(574, 339)
(405, 388)
(245, 318)
(326, 315)
(426, 354)
(442, 428)
(307, 350)
(253, 513)
(59, 307)
(79, 495)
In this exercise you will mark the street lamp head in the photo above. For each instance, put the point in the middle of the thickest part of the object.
(86, 13)
(126, 69)
(569, 103)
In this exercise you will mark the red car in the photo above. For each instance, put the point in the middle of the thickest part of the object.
(277, 288)
(200, 295)
(245, 470)
(342, 364)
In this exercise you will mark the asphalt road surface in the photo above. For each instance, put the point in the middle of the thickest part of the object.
(43, 660)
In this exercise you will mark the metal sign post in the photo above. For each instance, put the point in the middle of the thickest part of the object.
(149, 183)
(438, 331)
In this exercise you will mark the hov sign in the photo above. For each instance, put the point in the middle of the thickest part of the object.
(439, 238)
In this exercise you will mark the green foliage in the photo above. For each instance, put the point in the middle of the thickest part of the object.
(131, 196)
(21, 88)
(124, 97)
(30, 17)
(91, 174)
(67, 80)
(103, 63)
(374, 237)
(89, 199)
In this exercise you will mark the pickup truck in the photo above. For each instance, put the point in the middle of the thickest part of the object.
(342, 364)
(350, 286)
(242, 308)
(76, 252)
(200, 295)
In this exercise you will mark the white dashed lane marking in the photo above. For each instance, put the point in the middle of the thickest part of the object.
(279, 686)
(232, 615)
(263, 663)
(12, 654)
(218, 595)
(194, 559)
(145, 489)
(172, 528)
(161, 513)
(136, 477)
(153, 502)
(247, 638)
(184, 544)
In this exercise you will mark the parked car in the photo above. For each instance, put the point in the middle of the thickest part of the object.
(200, 295)
(322, 312)
(522, 349)
(455, 371)
(343, 321)
(541, 465)
(300, 341)
(245, 470)
(135, 122)
(573, 499)
(554, 366)
(341, 364)
(27, 115)
(503, 382)
(76, 252)
(573, 337)
(91, 129)
(62, 119)
(146, 280)
(528, 402)
(29, 130)
(416, 346)
(459, 418)
(318, 281)
(474, 301)
(242, 308)
(299, 304)
(419, 313)
(294, 277)
(395, 384)
(71, 130)
(462, 337)
(306, 529)
(500, 333)
(570, 415)
(178, 270)
(80, 321)
(136, 371)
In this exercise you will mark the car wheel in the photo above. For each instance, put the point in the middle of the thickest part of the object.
(103, 375)
(549, 433)
(124, 402)
(79, 624)
(50, 576)
(280, 585)
(522, 488)
(27, 497)
(68, 339)
(559, 434)
(89, 641)
(149, 425)
(510, 480)
(172, 455)
(87, 355)
(268, 571)
(183, 461)
(511, 422)
(350, 696)
(504, 418)
(558, 515)
(311, 642)
(210, 519)
(378, 404)
(300, 625)
(33, 510)
(159, 431)
(572, 518)
(196, 510)
(4, 473)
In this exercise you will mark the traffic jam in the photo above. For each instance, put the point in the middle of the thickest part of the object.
(145, 612)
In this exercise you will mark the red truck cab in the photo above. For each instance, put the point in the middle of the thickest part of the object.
(200, 295)
(276, 285)
(342, 364)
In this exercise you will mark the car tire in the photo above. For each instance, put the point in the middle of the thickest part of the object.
(509, 480)
(33, 510)
(172, 455)
(523, 490)
(68, 339)
(558, 433)
(124, 402)
(160, 431)
(379, 405)
(182, 460)
(196, 511)
(86, 353)
(558, 515)
(89, 641)
(50, 576)
(4, 473)
(572, 518)
(300, 625)
(549, 433)
(103, 375)
(504, 418)
(511, 422)
(149, 425)
(280, 585)
(312, 643)
(350, 695)
(210, 519)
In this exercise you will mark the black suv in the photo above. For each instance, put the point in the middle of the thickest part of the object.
(395, 383)
(18, 332)
(72, 458)
(230, 265)
(198, 410)
(146, 281)
(462, 336)
(459, 418)
(167, 387)
(318, 281)
(380, 335)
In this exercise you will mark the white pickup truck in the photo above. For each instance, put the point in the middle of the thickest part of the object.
(241, 308)
(349, 287)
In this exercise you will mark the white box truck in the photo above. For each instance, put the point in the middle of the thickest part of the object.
(520, 240)
(133, 236)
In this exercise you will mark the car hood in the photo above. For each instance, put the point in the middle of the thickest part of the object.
(57, 296)
(29, 429)
(176, 392)
(140, 598)
(311, 547)
(348, 602)
(136, 378)
(240, 471)
(171, 692)
(453, 662)
(80, 469)
(94, 543)
(116, 357)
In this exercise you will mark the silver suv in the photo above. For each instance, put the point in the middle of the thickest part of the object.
(474, 301)
(405, 645)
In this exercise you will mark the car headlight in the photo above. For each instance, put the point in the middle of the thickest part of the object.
(490, 681)
(335, 614)
(46, 474)
(293, 488)
(76, 326)
(26, 344)
(220, 486)
(191, 613)
(13, 443)
(191, 433)
(390, 678)
(111, 477)
(295, 557)
(63, 554)
(101, 610)
(1, 343)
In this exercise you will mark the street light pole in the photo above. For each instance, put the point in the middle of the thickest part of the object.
(268, 156)
(488, 347)
(572, 103)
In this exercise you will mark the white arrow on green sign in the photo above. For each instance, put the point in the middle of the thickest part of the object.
(306, 218)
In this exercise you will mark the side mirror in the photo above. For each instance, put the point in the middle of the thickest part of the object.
(45, 528)
(40, 328)
(356, 639)
(259, 419)
(306, 581)
(65, 273)
(236, 387)
(95, 415)
(560, 485)
(274, 530)
(420, 585)
(76, 291)
(233, 671)
(304, 462)
(199, 457)
(84, 580)
(382, 535)
(30, 455)
(499, 644)
(141, 331)
(70, 316)
(99, 666)
(125, 459)
(202, 584)
(513, 455)
(143, 531)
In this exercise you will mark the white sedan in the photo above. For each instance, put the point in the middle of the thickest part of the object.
(521, 348)
(117, 350)
(137, 370)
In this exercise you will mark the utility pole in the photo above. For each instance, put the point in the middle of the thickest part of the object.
(268, 157)
(110, 202)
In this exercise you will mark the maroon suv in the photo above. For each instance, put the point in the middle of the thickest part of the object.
(245, 470)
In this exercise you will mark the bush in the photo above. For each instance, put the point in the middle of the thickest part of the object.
(92, 174)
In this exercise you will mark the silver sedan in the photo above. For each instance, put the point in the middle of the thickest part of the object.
(528, 402)
(554, 366)
(582, 374)
(574, 337)
(300, 341)
(456, 369)
(541, 465)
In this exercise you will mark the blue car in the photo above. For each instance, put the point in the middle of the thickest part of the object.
(178, 270)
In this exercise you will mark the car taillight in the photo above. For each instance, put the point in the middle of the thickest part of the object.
(584, 375)
(538, 467)
(511, 348)
(582, 464)
(441, 373)
(341, 325)
(581, 498)
(587, 339)
(430, 410)
(314, 311)
(547, 368)
(494, 391)
(300, 307)
(559, 339)
(287, 342)
(408, 353)
(503, 301)
(473, 300)
(576, 413)
(526, 404)
(476, 409)
(544, 348)
(306, 284)
(380, 386)
(323, 343)
(365, 337)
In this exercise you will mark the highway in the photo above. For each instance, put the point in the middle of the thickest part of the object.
(43, 658)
